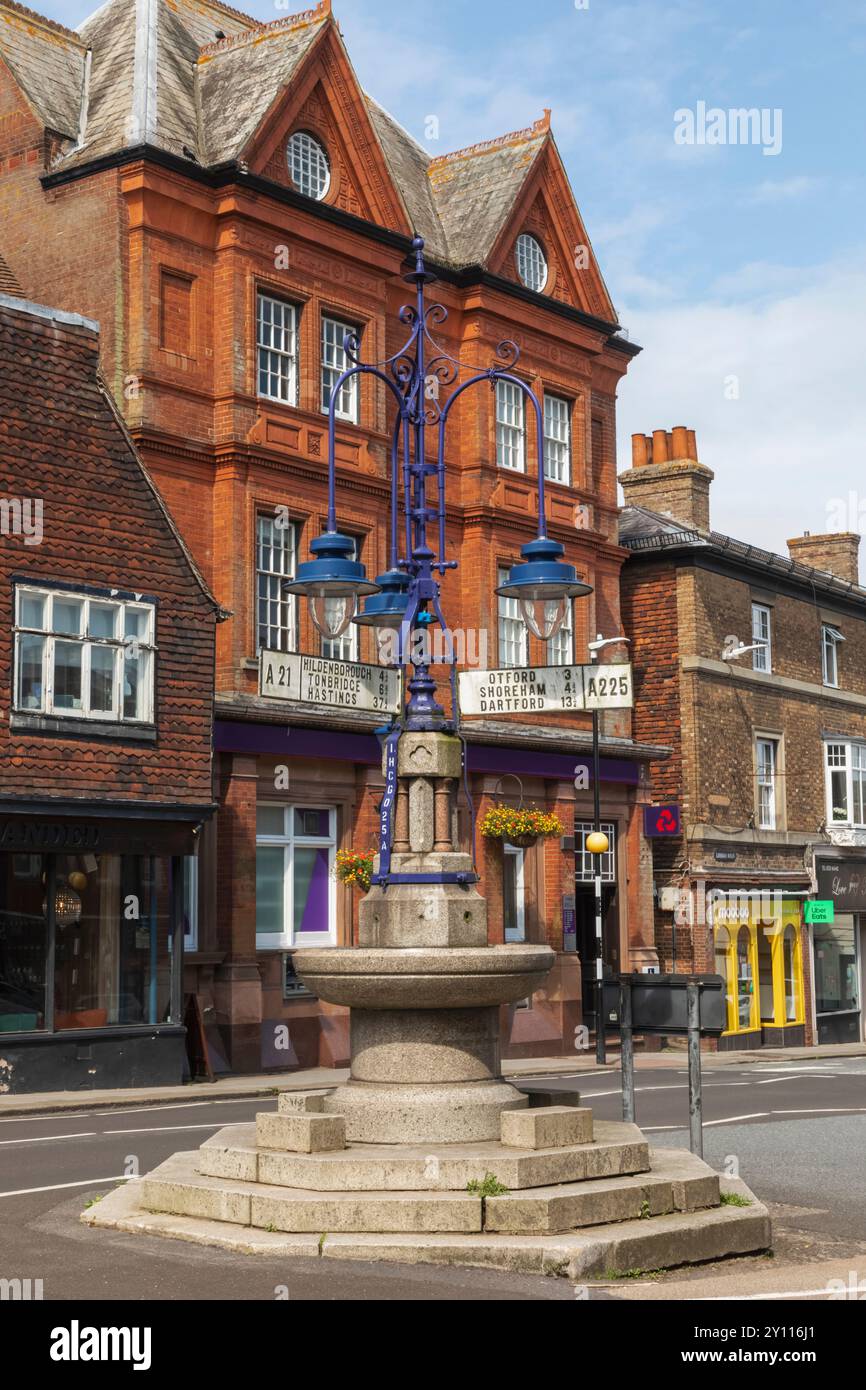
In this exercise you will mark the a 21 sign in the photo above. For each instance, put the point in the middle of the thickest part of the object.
(661, 821)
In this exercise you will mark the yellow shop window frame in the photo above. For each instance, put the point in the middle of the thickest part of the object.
(736, 946)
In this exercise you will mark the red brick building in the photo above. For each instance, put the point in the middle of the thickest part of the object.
(106, 660)
(226, 200)
(752, 666)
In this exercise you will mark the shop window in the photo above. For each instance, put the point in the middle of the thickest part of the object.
(23, 942)
(78, 655)
(585, 870)
(513, 893)
(765, 976)
(762, 636)
(510, 427)
(295, 897)
(745, 981)
(722, 957)
(512, 634)
(790, 945)
(190, 903)
(557, 439)
(335, 361)
(837, 987)
(276, 556)
(277, 349)
(845, 773)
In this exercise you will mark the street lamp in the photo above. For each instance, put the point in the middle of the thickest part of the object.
(404, 602)
(598, 844)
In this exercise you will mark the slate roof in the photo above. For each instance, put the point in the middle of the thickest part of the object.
(198, 78)
(644, 531)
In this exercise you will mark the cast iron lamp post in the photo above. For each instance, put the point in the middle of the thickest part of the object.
(404, 602)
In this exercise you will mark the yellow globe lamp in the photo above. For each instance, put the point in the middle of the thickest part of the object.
(597, 842)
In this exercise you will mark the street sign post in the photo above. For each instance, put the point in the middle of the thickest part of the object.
(819, 913)
(539, 689)
(317, 680)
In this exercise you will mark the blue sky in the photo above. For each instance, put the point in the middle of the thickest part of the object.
(742, 274)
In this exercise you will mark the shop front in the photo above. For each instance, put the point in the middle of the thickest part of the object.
(839, 949)
(758, 950)
(92, 915)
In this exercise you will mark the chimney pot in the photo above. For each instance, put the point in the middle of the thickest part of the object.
(638, 450)
(660, 446)
(680, 448)
(693, 445)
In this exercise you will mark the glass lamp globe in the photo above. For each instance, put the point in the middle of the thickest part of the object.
(544, 616)
(597, 842)
(332, 612)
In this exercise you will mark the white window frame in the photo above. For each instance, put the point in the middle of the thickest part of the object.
(269, 582)
(510, 427)
(334, 362)
(531, 262)
(347, 647)
(518, 931)
(304, 152)
(289, 841)
(762, 631)
(585, 861)
(767, 781)
(560, 649)
(557, 438)
(124, 648)
(830, 639)
(276, 349)
(848, 758)
(512, 638)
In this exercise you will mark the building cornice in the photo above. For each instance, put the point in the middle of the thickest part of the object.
(771, 681)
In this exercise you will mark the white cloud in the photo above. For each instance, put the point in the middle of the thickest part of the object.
(780, 190)
(794, 440)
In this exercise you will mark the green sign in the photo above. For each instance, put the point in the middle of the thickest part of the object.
(819, 913)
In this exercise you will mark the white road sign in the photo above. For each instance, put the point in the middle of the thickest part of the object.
(316, 680)
(542, 689)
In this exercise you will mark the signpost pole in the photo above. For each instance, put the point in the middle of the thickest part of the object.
(600, 1049)
(627, 1044)
(693, 1006)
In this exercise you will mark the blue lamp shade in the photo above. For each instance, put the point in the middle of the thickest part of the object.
(543, 586)
(333, 583)
(385, 612)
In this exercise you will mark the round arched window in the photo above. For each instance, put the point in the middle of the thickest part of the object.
(309, 166)
(531, 262)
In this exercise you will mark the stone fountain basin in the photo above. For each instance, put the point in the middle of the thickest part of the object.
(424, 978)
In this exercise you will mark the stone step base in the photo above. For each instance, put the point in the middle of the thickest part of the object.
(677, 1182)
(604, 1252)
(617, 1150)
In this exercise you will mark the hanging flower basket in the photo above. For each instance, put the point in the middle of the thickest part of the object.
(519, 826)
(355, 867)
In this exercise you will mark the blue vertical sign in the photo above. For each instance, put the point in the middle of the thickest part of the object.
(386, 812)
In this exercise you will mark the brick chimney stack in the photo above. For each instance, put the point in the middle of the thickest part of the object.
(666, 477)
(838, 553)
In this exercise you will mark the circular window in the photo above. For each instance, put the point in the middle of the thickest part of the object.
(531, 262)
(309, 167)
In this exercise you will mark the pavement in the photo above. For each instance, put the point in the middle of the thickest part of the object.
(316, 1078)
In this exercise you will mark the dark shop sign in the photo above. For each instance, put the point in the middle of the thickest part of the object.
(844, 883)
(47, 836)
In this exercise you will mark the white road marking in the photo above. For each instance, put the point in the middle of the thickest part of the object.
(31, 1119)
(49, 1138)
(830, 1110)
(58, 1186)
(797, 1075)
(771, 1294)
(732, 1119)
(164, 1129)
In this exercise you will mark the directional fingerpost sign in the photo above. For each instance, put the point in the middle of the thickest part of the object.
(661, 821)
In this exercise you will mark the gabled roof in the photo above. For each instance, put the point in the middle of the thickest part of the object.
(643, 531)
(201, 80)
